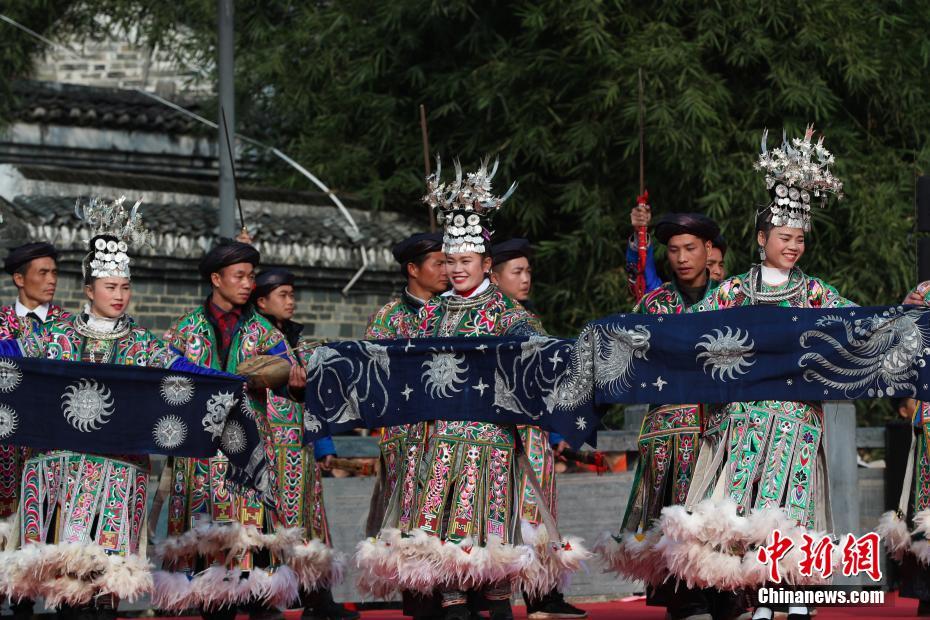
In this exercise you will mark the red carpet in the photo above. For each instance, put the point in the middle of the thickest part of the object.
(637, 610)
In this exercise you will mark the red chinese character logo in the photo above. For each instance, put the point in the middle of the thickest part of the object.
(817, 556)
(860, 555)
(772, 553)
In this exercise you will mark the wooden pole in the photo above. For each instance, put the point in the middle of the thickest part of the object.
(643, 198)
(424, 132)
(227, 215)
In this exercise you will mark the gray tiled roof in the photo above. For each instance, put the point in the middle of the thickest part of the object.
(284, 233)
(103, 108)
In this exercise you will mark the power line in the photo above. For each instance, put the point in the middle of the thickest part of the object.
(355, 234)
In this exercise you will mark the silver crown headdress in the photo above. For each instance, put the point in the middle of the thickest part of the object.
(465, 208)
(113, 229)
(796, 174)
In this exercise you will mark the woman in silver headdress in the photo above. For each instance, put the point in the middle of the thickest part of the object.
(455, 530)
(81, 518)
(762, 465)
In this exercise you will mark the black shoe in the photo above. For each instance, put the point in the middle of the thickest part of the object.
(223, 613)
(321, 606)
(500, 609)
(89, 612)
(22, 610)
(923, 608)
(335, 611)
(456, 612)
(554, 609)
(65, 612)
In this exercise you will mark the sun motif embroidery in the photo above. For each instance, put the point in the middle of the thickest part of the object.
(170, 432)
(177, 390)
(8, 421)
(87, 405)
(10, 376)
(443, 374)
(727, 354)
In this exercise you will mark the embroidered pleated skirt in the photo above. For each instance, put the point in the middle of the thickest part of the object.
(761, 466)
(668, 444)
(81, 529)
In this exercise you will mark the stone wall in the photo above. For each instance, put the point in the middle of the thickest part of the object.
(159, 297)
(119, 61)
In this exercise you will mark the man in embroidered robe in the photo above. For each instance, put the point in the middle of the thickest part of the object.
(669, 436)
(512, 272)
(299, 497)
(221, 334)
(423, 266)
(640, 217)
(33, 268)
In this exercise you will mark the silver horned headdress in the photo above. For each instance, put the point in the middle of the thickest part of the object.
(114, 228)
(796, 174)
(466, 207)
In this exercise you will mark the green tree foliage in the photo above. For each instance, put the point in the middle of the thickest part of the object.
(551, 88)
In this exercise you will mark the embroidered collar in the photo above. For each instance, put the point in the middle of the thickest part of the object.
(772, 276)
(475, 293)
(39, 311)
(101, 328)
(412, 301)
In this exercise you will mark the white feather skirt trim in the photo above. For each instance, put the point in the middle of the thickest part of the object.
(219, 587)
(633, 555)
(420, 562)
(72, 574)
(899, 540)
(556, 561)
(714, 546)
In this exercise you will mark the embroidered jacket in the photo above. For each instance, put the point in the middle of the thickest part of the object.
(396, 319)
(490, 313)
(14, 326)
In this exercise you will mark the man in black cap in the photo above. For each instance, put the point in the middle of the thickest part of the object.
(423, 265)
(669, 438)
(221, 333)
(642, 216)
(300, 493)
(688, 238)
(511, 270)
(34, 269)
(715, 259)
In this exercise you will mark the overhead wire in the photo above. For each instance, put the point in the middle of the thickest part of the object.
(354, 232)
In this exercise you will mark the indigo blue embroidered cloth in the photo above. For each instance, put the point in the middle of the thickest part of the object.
(562, 385)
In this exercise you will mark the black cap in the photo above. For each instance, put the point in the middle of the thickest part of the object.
(672, 224)
(415, 246)
(225, 253)
(25, 253)
(267, 281)
(510, 249)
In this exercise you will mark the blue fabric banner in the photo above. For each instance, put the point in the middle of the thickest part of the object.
(116, 409)
(742, 354)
